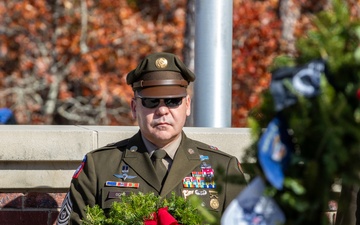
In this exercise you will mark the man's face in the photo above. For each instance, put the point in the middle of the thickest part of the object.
(162, 124)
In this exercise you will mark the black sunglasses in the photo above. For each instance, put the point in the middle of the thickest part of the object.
(154, 102)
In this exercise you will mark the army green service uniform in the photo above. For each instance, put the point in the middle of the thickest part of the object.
(126, 167)
(96, 179)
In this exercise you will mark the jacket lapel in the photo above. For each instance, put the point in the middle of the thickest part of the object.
(137, 158)
(186, 159)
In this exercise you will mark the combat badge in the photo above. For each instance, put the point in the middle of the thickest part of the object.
(124, 175)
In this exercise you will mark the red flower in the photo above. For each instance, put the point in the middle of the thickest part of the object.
(163, 217)
(152, 221)
(358, 94)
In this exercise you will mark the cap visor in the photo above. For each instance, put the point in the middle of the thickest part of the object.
(163, 92)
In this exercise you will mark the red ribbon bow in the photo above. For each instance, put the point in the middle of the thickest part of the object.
(163, 217)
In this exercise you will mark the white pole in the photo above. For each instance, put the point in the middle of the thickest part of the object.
(213, 63)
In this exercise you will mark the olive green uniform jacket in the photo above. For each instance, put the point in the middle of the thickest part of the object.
(88, 186)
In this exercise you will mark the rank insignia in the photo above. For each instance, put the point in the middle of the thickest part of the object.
(121, 184)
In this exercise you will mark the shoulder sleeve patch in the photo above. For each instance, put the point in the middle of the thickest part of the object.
(80, 168)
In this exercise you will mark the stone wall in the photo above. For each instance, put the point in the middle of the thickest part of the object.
(37, 163)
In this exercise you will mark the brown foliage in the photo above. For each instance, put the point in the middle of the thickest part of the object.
(256, 43)
(65, 62)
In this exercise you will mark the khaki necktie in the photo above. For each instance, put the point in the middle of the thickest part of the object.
(159, 166)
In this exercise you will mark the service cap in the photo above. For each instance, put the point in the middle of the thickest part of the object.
(160, 75)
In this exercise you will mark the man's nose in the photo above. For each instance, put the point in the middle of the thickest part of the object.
(162, 108)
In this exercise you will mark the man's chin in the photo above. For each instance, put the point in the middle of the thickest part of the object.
(163, 136)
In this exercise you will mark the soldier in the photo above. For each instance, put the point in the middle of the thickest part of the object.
(160, 158)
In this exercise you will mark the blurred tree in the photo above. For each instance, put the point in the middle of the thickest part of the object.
(256, 43)
(324, 127)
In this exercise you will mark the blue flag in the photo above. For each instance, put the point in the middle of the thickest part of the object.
(274, 152)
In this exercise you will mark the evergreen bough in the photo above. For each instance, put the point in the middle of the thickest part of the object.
(135, 208)
(325, 129)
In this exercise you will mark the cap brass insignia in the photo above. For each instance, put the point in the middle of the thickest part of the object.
(161, 63)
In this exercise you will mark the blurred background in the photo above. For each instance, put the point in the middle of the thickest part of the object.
(65, 61)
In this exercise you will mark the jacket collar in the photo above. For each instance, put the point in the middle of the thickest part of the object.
(187, 158)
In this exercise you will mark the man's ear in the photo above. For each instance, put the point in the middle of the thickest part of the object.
(133, 107)
(188, 105)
